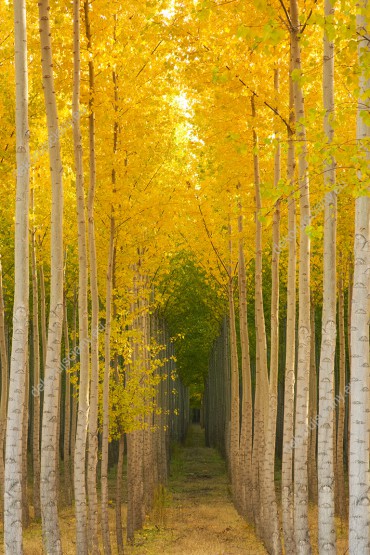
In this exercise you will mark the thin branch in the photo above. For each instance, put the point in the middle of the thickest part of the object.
(146, 63)
(286, 14)
(275, 110)
(308, 18)
(210, 239)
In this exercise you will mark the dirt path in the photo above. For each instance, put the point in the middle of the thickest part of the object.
(200, 518)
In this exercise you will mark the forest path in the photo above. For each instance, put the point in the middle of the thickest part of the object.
(200, 518)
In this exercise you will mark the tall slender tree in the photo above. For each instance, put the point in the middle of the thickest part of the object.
(13, 538)
(49, 448)
(245, 459)
(325, 449)
(36, 375)
(79, 474)
(272, 535)
(4, 390)
(359, 473)
(94, 380)
(301, 529)
(287, 496)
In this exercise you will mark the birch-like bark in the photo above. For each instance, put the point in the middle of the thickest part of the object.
(18, 362)
(340, 483)
(94, 380)
(49, 451)
(327, 410)
(107, 357)
(148, 452)
(349, 316)
(67, 411)
(83, 390)
(287, 494)
(36, 376)
(25, 504)
(74, 388)
(312, 458)
(44, 339)
(272, 536)
(245, 459)
(4, 391)
(119, 488)
(301, 528)
(262, 383)
(359, 472)
(234, 424)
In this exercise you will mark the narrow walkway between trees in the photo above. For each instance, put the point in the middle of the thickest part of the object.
(200, 518)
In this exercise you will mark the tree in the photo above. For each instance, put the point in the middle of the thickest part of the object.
(287, 495)
(13, 539)
(83, 390)
(303, 367)
(359, 475)
(325, 451)
(94, 381)
(49, 450)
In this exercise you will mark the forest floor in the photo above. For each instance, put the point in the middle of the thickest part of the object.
(193, 516)
(200, 518)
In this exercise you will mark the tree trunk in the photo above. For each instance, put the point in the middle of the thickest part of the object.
(272, 536)
(313, 417)
(107, 356)
(287, 499)
(94, 381)
(301, 527)
(83, 390)
(235, 416)
(119, 487)
(325, 446)
(43, 317)
(25, 505)
(246, 412)
(67, 412)
(36, 378)
(49, 451)
(262, 383)
(359, 475)
(342, 497)
(74, 388)
(4, 391)
(18, 362)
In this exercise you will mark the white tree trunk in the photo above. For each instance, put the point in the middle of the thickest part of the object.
(359, 473)
(287, 497)
(49, 450)
(83, 390)
(245, 458)
(36, 379)
(313, 415)
(18, 363)
(67, 411)
(301, 529)
(107, 357)
(341, 488)
(94, 380)
(272, 537)
(235, 417)
(325, 449)
(44, 339)
(4, 391)
(262, 383)
(25, 506)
